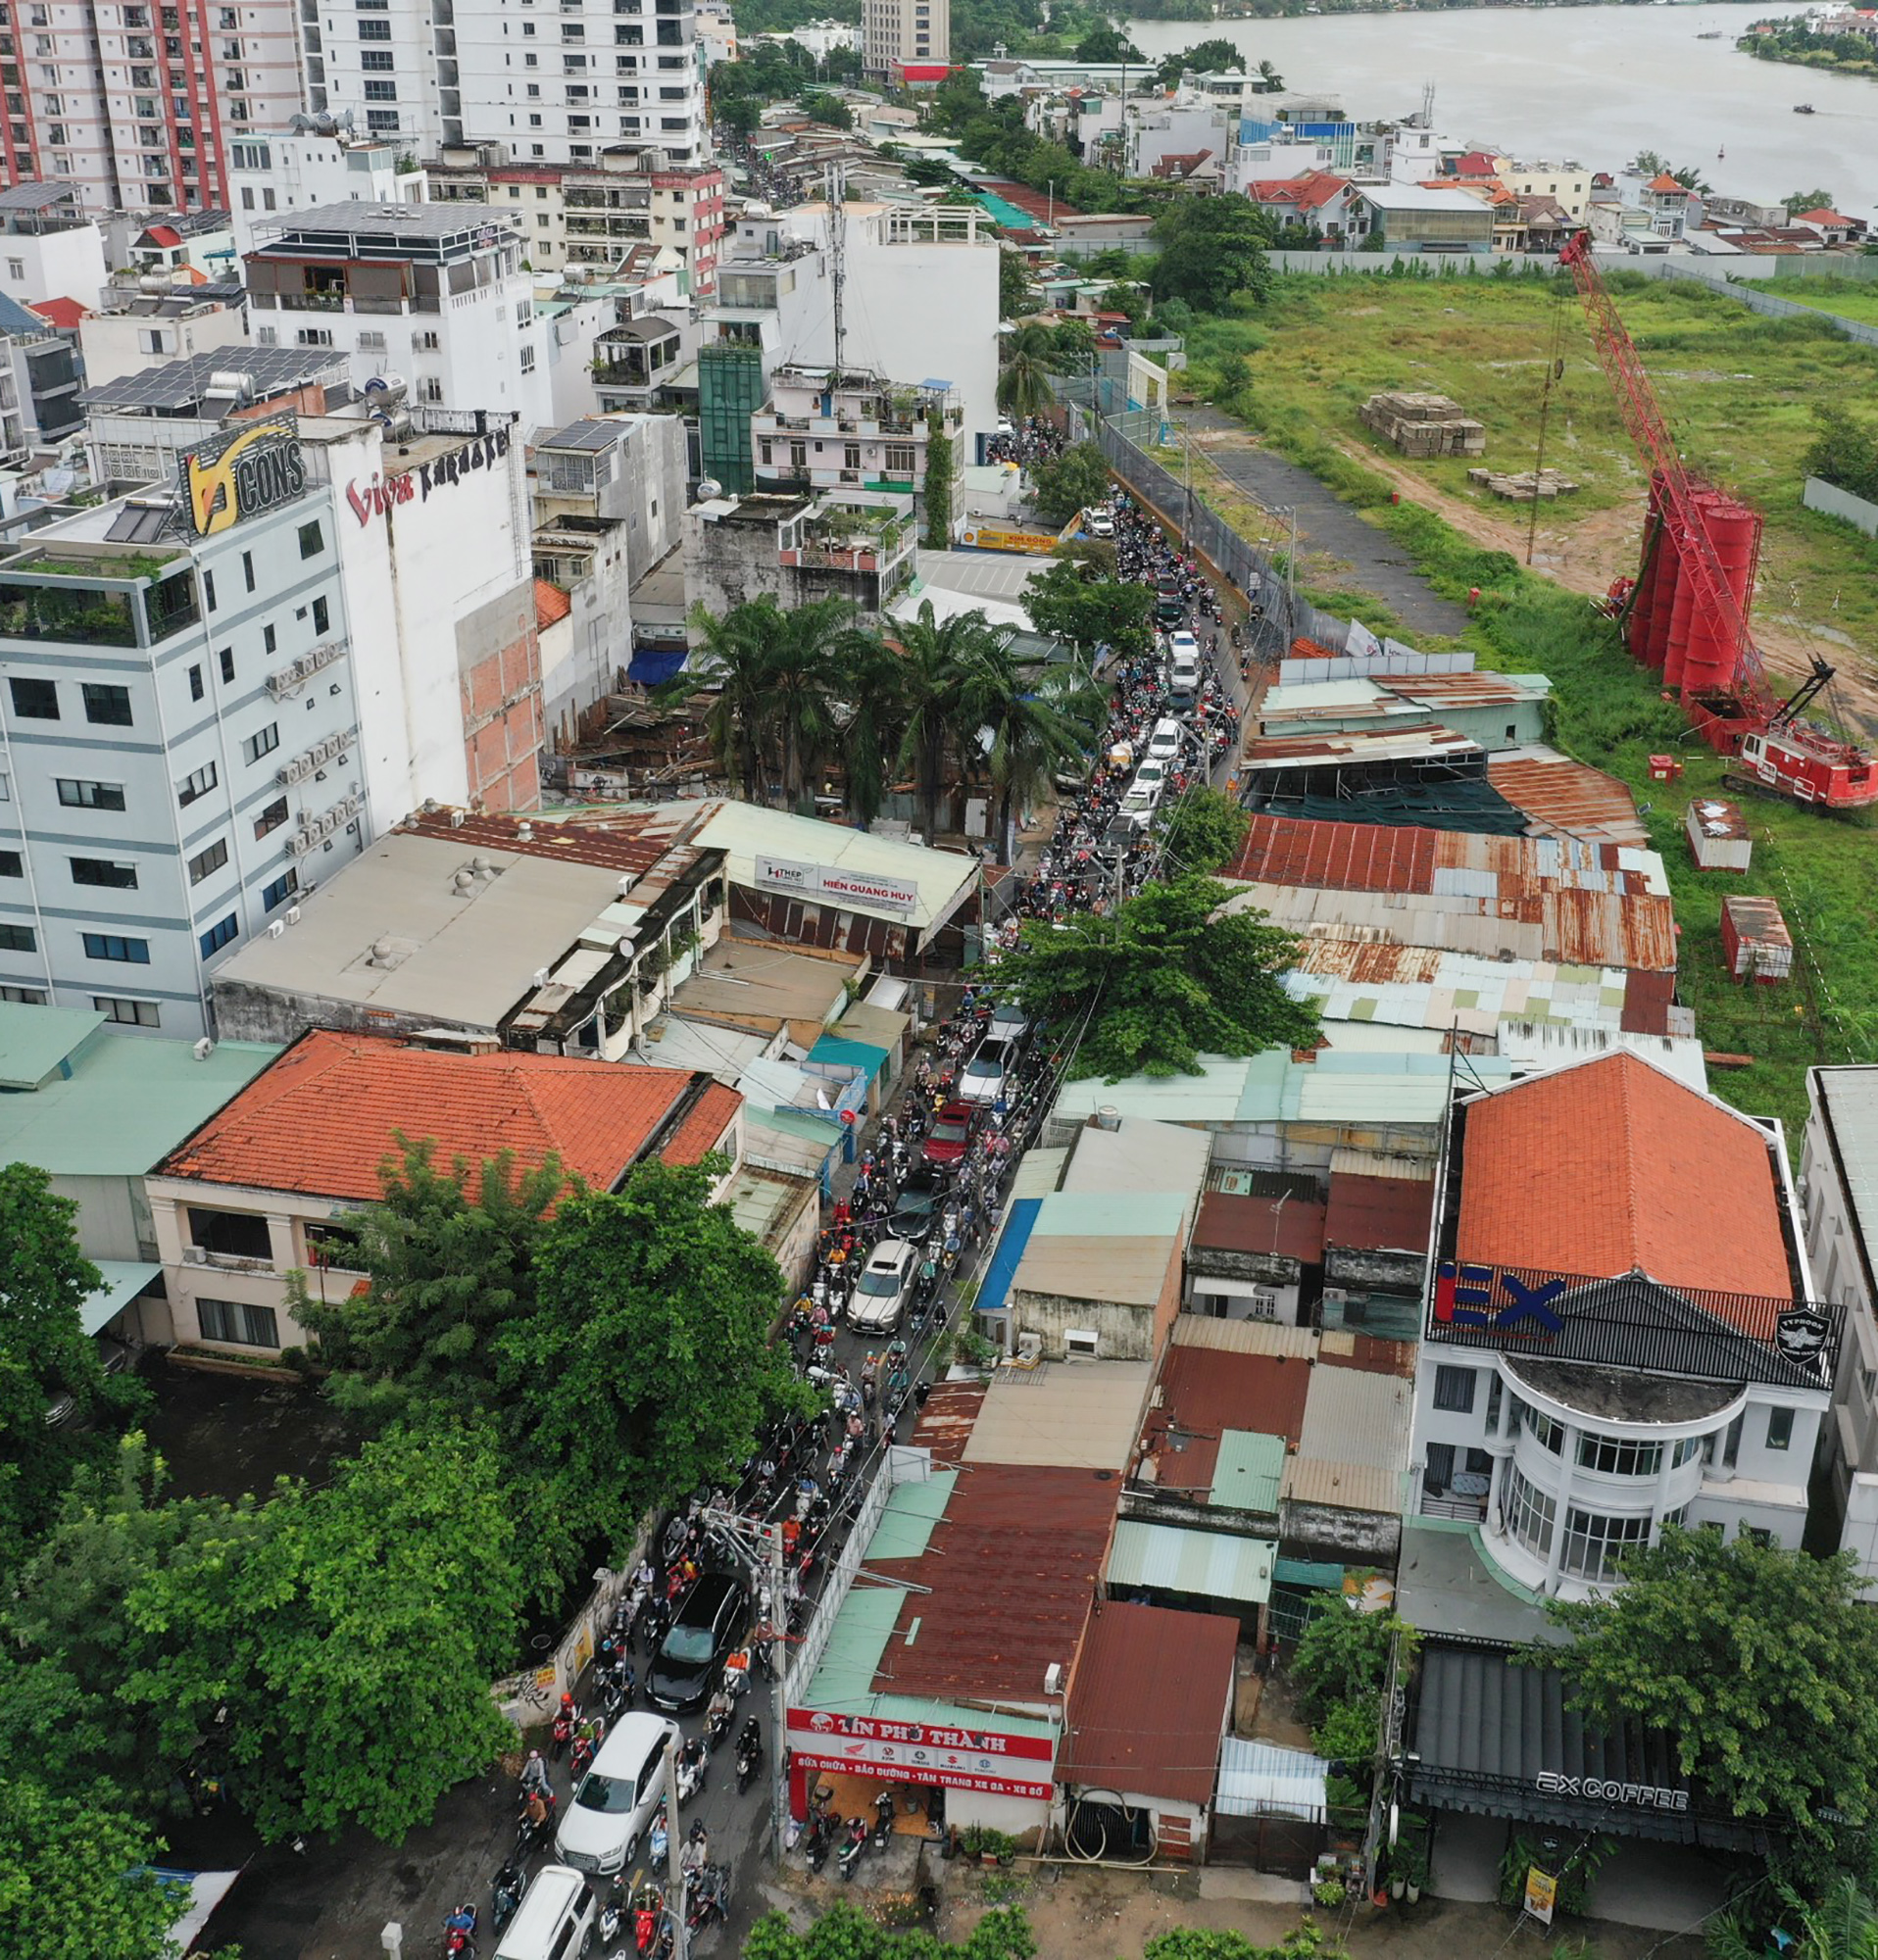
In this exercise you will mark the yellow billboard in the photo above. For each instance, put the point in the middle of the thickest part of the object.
(243, 472)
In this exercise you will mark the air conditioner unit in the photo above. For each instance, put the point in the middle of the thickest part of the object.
(194, 1255)
(302, 843)
(1080, 1343)
(291, 916)
(275, 927)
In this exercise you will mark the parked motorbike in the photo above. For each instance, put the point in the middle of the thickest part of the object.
(852, 1846)
(882, 1820)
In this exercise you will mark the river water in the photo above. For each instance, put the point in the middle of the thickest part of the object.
(1594, 83)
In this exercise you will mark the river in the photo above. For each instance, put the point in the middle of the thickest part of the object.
(1592, 83)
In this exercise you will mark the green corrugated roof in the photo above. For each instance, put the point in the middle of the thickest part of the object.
(1312, 1573)
(122, 1280)
(860, 1054)
(912, 1509)
(1109, 1214)
(130, 1100)
(1248, 1471)
(1170, 1559)
(855, 1642)
(34, 1041)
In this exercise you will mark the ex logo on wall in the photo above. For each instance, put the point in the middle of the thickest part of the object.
(1467, 1295)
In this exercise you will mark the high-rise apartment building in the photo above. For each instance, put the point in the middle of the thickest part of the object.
(557, 82)
(135, 106)
(905, 40)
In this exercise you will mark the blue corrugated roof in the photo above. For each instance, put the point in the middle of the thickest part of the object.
(1019, 1218)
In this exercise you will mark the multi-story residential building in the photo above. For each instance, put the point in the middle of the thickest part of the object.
(608, 504)
(49, 249)
(853, 545)
(135, 106)
(134, 331)
(1621, 1329)
(855, 430)
(181, 731)
(905, 40)
(40, 363)
(1837, 1172)
(598, 215)
(558, 85)
(1568, 184)
(433, 292)
(292, 168)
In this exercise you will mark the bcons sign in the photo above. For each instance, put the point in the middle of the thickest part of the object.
(251, 470)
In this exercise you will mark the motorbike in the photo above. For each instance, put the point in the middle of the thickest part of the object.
(707, 1896)
(717, 1719)
(505, 1894)
(693, 1759)
(460, 1934)
(696, 1854)
(821, 1830)
(529, 1835)
(613, 1915)
(648, 1910)
(749, 1753)
(852, 1846)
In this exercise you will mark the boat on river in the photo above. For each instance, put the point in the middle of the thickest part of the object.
(1804, 109)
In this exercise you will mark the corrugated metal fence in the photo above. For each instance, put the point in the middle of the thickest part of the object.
(1768, 304)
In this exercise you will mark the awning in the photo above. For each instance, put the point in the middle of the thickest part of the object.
(123, 1279)
(653, 667)
(995, 1291)
(1261, 1780)
(841, 1050)
(1170, 1559)
(1498, 1738)
(1313, 1574)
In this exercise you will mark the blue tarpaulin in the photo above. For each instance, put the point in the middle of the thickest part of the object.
(1012, 1241)
(653, 667)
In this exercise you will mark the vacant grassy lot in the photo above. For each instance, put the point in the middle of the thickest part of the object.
(1739, 390)
(1855, 299)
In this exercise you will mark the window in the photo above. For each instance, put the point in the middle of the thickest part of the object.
(103, 871)
(282, 890)
(225, 657)
(1780, 1428)
(195, 683)
(218, 935)
(1619, 1456)
(11, 865)
(851, 455)
(209, 590)
(527, 361)
(382, 91)
(247, 568)
(374, 30)
(262, 742)
(197, 783)
(114, 946)
(313, 540)
(332, 1242)
(1548, 1434)
(204, 862)
(376, 59)
(23, 996)
(1593, 1544)
(1529, 1515)
(271, 818)
(90, 796)
(1455, 1390)
(238, 1322)
(35, 700)
(127, 1012)
(1759, 1534)
(108, 704)
(17, 939)
(321, 617)
(900, 458)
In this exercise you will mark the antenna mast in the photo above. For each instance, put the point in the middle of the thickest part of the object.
(837, 252)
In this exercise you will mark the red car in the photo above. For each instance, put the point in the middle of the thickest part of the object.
(950, 1133)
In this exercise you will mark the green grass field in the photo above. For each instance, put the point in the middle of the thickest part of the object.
(1855, 299)
(1739, 391)
(1316, 356)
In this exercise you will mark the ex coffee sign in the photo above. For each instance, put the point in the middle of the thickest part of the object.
(377, 495)
(826, 884)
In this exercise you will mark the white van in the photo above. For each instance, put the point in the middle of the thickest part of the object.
(555, 1920)
(1165, 744)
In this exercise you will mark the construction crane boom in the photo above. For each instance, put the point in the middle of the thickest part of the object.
(1649, 429)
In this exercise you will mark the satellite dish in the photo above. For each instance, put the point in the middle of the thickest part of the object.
(59, 481)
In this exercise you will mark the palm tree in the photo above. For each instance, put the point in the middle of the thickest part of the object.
(733, 657)
(869, 733)
(935, 659)
(1023, 382)
(1270, 77)
(807, 660)
(1039, 716)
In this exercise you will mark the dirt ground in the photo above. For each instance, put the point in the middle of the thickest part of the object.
(1111, 1915)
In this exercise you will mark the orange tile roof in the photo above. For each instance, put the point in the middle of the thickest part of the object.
(1662, 181)
(323, 1118)
(1611, 1166)
(550, 603)
(66, 312)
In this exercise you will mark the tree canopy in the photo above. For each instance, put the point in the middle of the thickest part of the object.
(1211, 248)
(1845, 452)
(1087, 612)
(1160, 980)
(1204, 830)
(1746, 1656)
(1798, 201)
(1070, 482)
(75, 1880)
(1108, 43)
(1214, 56)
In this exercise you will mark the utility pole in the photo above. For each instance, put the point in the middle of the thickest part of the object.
(1186, 512)
(779, 1690)
(1291, 577)
(674, 1848)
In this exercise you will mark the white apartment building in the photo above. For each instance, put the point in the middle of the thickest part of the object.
(180, 732)
(1839, 1188)
(556, 83)
(298, 169)
(135, 106)
(432, 293)
(1622, 1330)
(1569, 184)
(906, 40)
(137, 331)
(852, 431)
(49, 249)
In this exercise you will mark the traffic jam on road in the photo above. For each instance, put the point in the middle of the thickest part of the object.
(676, 1715)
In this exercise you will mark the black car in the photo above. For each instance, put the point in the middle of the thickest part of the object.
(710, 1624)
(917, 1208)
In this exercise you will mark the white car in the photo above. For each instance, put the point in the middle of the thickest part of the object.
(1181, 647)
(1100, 523)
(615, 1801)
(1151, 776)
(1139, 807)
(1009, 1025)
(982, 1079)
(1165, 744)
(886, 1281)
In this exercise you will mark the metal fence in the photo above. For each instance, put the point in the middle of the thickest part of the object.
(1769, 305)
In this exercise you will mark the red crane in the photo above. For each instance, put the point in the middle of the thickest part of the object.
(1687, 610)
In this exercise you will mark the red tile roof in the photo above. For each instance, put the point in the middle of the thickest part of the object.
(703, 1130)
(550, 603)
(1822, 215)
(1309, 192)
(1475, 164)
(327, 1113)
(1611, 1166)
(1013, 1569)
(1149, 1702)
(166, 235)
(1664, 184)
(62, 312)
(1378, 1214)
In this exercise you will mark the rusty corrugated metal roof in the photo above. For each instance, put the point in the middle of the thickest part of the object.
(1378, 1214)
(1566, 796)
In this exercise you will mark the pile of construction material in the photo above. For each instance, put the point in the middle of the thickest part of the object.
(1522, 486)
(1424, 425)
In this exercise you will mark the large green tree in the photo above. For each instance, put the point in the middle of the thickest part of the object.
(844, 1933)
(1202, 830)
(1070, 482)
(1030, 358)
(648, 1370)
(76, 1880)
(449, 1253)
(1211, 248)
(1760, 1665)
(1163, 978)
(49, 1365)
(936, 717)
(1088, 613)
(1036, 718)
(1108, 43)
(1217, 56)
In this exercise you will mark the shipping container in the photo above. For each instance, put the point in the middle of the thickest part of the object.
(1755, 940)
(1717, 835)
